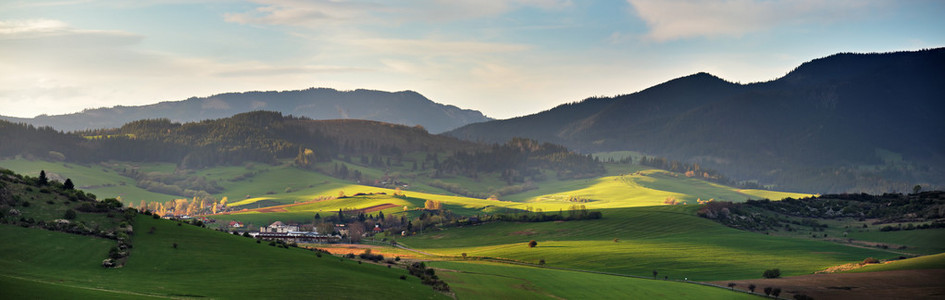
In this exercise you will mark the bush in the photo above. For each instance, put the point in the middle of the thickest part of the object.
(772, 273)
(70, 215)
(532, 244)
(870, 260)
(802, 297)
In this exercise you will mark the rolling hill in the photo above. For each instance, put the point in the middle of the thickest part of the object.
(45, 255)
(847, 122)
(406, 108)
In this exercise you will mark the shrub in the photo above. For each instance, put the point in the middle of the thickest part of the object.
(532, 244)
(776, 292)
(70, 215)
(751, 287)
(772, 273)
(731, 285)
(768, 290)
(870, 260)
(803, 297)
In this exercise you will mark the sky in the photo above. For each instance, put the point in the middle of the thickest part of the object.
(505, 58)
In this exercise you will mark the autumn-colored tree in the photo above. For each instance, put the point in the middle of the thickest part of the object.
(431, 205)
(532, 244)
(214, 208)
(180, 205)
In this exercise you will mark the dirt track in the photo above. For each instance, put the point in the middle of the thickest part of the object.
(903, 284)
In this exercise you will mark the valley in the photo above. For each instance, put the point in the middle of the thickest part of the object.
(647, 195)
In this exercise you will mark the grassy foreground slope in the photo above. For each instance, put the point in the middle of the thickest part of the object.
(500, 281)
(204, 264)
(637, 241)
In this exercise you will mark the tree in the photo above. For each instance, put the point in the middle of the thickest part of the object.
(916, 189)
(772, 273)
(325, 228)
(768, 290)
(42, 177)
(532, 244)
(776, 292)
(655, 273)
(751, 287)
(70, 214)
(464, 255)
(731, 285)
(68, 184)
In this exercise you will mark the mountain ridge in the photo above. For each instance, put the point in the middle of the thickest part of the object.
(825, 116)
(403, 107)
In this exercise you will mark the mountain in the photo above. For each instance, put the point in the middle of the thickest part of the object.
(847, 122)
(407, 108)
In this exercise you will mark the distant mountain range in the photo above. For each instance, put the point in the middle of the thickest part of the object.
(847, 122)
(406, 108)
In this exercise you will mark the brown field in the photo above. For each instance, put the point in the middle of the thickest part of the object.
(342, 249)
(378, 207)
(902, 284)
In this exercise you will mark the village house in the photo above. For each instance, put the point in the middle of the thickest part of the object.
(236, 224)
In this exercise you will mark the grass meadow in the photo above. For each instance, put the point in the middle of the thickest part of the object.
(637, 241)
(483, 280)
(204, 264)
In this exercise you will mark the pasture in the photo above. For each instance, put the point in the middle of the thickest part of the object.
(204, 264)
(637, 241)
(483, 280)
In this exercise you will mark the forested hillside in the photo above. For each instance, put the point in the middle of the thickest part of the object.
(270, 138)
(847, 122)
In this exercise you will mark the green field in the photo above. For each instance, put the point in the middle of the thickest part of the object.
(97, 179)
(669, 239)
(626, 186)
(502, 281)
(936, 261)
(205, 264)
(924, 241)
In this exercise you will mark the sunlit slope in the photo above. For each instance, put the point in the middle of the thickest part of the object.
(204, 264)
(636, 241)
(936, 261)
(260, 185)
(501, 281)
(643, 187)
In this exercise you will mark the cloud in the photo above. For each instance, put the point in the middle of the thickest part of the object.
(671, 20)
(320, 13)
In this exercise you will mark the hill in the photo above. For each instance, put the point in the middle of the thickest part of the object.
(365, 152)
(45, 257)
(847, 122)
(406, 107)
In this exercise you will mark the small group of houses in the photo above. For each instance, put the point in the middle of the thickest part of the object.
(278, 231)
